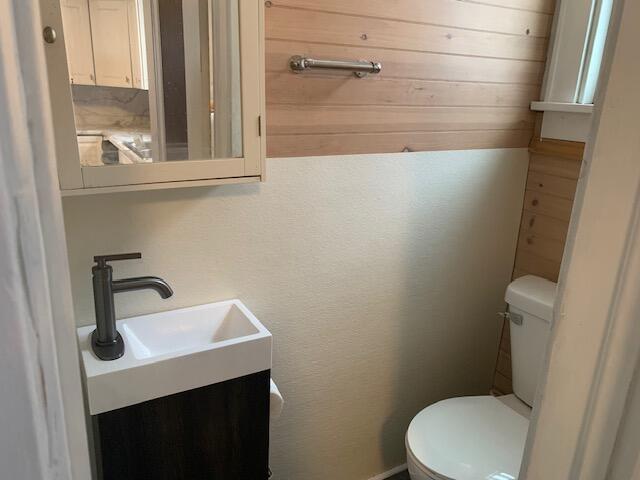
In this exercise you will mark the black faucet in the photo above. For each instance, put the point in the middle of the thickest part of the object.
(106, 341)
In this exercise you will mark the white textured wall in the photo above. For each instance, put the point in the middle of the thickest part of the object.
(379, 276)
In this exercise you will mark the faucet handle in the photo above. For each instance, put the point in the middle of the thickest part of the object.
(102, 260)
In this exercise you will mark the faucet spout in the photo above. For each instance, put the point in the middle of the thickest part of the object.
(142, 283)
(106, 341)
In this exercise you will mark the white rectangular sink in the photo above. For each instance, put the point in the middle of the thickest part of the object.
(175, 351)
(190, 328)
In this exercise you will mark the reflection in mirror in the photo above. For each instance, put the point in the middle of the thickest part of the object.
(154, 80)
(105, 42)
(106, 47)
(198, 80)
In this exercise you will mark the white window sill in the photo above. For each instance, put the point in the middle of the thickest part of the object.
(565, 121)
(562, 107)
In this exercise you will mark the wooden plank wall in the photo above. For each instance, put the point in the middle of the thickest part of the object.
(551, 185)
(456, 74)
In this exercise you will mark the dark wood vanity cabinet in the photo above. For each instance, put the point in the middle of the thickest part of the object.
(217, 432)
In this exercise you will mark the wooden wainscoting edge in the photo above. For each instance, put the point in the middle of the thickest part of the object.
(557, 148)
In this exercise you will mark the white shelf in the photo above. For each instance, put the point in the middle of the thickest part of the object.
(586, 108)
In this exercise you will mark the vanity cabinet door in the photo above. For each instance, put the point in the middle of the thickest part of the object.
(217, 432)
(77, 28)
(111, 42)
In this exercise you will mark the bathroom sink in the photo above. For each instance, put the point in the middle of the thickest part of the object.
(175, 351)
(142, 148)
(192, 328)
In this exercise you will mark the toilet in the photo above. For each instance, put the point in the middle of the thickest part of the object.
(483, 437)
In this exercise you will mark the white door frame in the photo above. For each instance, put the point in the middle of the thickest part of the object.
(595, 344)
(42, 422)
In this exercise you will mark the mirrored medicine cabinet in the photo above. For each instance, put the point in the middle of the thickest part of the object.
(150, 94)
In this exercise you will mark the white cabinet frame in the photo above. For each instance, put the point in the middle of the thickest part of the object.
(77, 179)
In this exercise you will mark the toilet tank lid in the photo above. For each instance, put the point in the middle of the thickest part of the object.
(533, 295)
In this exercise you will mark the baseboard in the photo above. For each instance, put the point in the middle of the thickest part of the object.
(390, 473)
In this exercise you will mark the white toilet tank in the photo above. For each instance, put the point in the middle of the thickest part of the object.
(530, 302)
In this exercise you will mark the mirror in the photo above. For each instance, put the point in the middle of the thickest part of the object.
(154, 80)
(200, 79)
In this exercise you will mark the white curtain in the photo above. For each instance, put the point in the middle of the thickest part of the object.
(39, 375)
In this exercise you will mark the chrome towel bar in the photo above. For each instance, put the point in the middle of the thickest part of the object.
(359, 67)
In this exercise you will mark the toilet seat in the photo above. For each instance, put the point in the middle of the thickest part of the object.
(468, 438)
(417, 471)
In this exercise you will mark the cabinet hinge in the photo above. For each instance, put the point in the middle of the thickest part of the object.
(259, 125)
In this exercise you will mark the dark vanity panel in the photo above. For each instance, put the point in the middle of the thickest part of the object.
(218, 432)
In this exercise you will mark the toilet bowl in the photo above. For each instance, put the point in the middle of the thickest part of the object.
(467, 438)
(483, 437)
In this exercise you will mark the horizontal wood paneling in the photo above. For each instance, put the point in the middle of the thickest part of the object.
(408, 64)
(546, 6)
(516, 274)
(555, 165)
(541, 246)
(506, 339)
(297, 119)
(557, 148)
(543, 225)
(504, 364)
(550, 191)
(314, 26)
(550, 205)
(316, 89)
(456, 74)
(502, 384)
(551, 184)
(452, 13)
(533, 264)
(343, 144)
